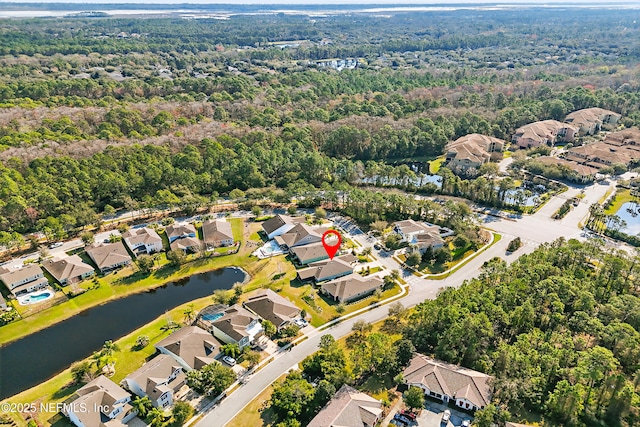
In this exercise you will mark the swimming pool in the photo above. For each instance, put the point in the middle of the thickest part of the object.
(35, 297)
(269, 249)
(212, 317)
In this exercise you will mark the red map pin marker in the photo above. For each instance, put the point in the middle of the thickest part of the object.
(331, 244)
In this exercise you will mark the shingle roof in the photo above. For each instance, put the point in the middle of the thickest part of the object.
(67, 268)
(216, 230)
(298, 232)
(272, 307)
(235, 321)
(186, 243)
(179, 230)
(156, 371)
(310, 252)
(9, 277)
(323, 269)
(348, 408)
(100, 393)
(410, 226)
(349, 286)
(145, 236)
(451, 380)
(272, 224)
(192, 344)
(588, 116)
(108, 254)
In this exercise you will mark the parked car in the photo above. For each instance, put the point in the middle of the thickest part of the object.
(408, 414)
(446, 415)
(377, 247)
(229, 360)
(56, 245)
(301, 323)
(466, 423)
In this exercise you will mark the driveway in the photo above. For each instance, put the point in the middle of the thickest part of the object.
(431, 416)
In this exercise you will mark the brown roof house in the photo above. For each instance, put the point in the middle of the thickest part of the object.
(327, 270)
(192, 347)
(546, 132)
(183, 237)
(142, 240)
(352, 287)
(272, 307)
(580, 173)
(216, 233)
(349, 408)
(101, 403)
(590, 121)
(108, 256)
(301, 234)
(159, 379)
(469, 389)
(25, 279)
(68, 270)
(236, 325)
(469, 152)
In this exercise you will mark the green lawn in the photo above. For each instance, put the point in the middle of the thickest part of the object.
(435, 165)
(621, 198)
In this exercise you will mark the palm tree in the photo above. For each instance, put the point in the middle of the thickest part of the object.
(155, 417)
(189, 314)
(142, 405)
(109, 348)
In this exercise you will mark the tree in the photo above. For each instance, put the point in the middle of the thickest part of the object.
(428, 255)
(292, 397)
(292, 210)
(414, 398)
(79, 371)
(442, 255)
(269, 328)
(231, 350)
(413, 259)
(145, 263)
(142, 341)
(404, 352)
(212, 379)
(87, 238)
(253, 357)
(142, 405)
(256, 211)
(177, 258)
(189, 314)
(320, 213)
(181, 412)
(155, 417)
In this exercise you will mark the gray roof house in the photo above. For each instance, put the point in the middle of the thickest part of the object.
(68, 270)
(192, 347)
(299, 235)
(25, 279)
(352, 287)
(309, 253)
(217, 233)
(186, 244)
(180, 231)
(420, 234)
(326, 270)
(108, 256)
(101, 403)
(142, 240)
(272, 307)
(159, 379)
(349, 408)
(471, 390)
(278, 225)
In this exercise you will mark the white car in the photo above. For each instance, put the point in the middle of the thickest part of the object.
(445, 416)
(56, 245)
(229, 360)
(466, 423)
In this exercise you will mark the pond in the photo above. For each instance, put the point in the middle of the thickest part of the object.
(630, 213)
(41, 355)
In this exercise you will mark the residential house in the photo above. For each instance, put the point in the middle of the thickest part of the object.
(327, 270)
(142, 240)
(236, 325)
(580, 173)
(546, 132)
(192, 347)
(279, 224)
(309, 253)
(421, 234)
(590, 121)
(300, 235)
(25, 279)
(471, 151)
(159, 379)
(349, 408)
(68, 270)
(3, 303)
(183, 237)
(216, 233)
(108, 256)
(352, 287)
(272, 307)
(469, 389)
(101, 403)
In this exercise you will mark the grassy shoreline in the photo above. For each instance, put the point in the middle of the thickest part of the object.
(114, 286)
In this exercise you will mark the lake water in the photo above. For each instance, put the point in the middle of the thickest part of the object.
(630, 213)
(39, 356)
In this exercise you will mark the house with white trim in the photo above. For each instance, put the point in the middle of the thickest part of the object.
(142, 240)
(101, 403)
(159, 379)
